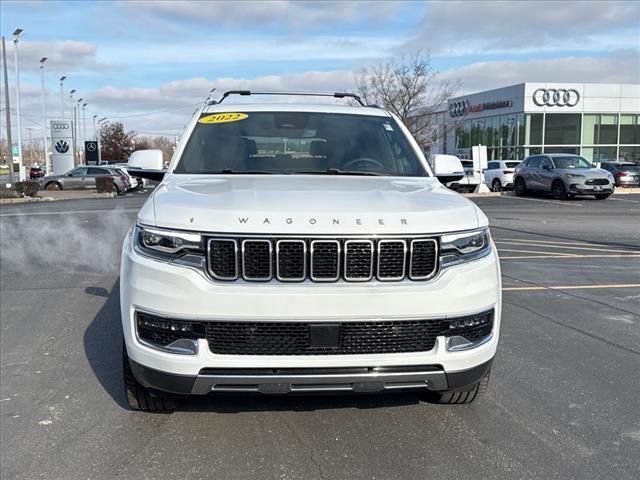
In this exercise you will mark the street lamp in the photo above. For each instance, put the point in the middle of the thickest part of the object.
(62, 79)
(76, 116)
(16, 36)
(84, 122)
(44, 112)
(94, 127)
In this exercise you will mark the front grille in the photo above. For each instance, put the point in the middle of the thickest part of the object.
(293, 338)
(597, 181)
(322, 260)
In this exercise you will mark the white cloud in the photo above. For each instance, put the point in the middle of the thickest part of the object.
(621, 67)
(459, 27)
(63, 56)
(294, 14)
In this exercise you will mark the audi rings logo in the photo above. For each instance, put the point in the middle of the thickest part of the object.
(458, 109)
(60, 126)
(556, 97)
(62, 146)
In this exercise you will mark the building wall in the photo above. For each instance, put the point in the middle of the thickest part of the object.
(599, 121)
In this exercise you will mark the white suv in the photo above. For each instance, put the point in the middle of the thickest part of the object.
(306, 248)
(498, 175)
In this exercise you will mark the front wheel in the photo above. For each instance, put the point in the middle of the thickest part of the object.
(520, 187)
(558, 190)
(461, 397)
(138, 397)
(116, 189)
(602, 196)
(53, 186)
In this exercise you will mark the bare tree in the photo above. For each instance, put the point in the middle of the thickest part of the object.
(160, 143)
(115, 143)
(408, 87)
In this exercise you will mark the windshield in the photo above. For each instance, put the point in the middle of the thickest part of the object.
(571, 162)
(298, 142)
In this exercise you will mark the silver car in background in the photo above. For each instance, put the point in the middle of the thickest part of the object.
(84, 177)
(563, 175)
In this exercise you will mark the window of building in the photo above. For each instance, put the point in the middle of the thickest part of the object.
(562, 129)
(629, 129)
(629, 154)
(570, 150)
(533, 129)
(608, 130)
(520, 140)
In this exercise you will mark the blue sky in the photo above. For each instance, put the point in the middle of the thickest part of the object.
(132, 58)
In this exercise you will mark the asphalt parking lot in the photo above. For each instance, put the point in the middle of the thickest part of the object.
(563, 402)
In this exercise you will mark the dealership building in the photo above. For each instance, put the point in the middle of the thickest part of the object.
(596, 120)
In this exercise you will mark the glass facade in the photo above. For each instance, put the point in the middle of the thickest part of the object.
(597, 137)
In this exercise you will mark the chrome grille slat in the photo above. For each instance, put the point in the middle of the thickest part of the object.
(352, 259)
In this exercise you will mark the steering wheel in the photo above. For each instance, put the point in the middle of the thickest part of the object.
(370, 161)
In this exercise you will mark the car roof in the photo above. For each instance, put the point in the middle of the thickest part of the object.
(295, 107)
(552, 155)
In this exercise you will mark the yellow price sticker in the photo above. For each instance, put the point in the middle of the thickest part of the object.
(223, 118)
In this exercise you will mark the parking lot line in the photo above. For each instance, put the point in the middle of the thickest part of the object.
(553, 242)
(570, 287)
(624, 200)
(534, 251)
(557, 202)
(577, 255)
(565, 247)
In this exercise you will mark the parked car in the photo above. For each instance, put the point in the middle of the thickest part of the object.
(469, 182)
(339, 263)
(563, 175)
(136, 182)
(498, 175)
(84, 177)
(35, 172)
(626, 174)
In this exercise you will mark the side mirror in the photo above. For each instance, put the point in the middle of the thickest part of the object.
(447, 168)
(147, 164)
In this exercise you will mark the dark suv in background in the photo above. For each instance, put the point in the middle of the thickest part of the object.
(563, 175)
(626, 174)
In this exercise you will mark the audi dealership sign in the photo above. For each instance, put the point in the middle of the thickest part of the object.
(62, 152)
(556, 97)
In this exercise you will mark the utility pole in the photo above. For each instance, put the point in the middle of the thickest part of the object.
(8, 109)
(44, 114)
(62, 79)
(16, 35)
(94, 128)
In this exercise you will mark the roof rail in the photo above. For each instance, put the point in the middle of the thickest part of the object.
(305, 94)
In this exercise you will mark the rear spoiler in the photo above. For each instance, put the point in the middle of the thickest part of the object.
(155, 175)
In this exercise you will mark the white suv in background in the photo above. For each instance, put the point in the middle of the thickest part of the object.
(498, 175)
(305, 248)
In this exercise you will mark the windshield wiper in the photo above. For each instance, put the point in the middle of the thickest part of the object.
(228, 171)
(337, 171)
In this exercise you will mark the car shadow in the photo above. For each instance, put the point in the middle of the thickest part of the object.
(103, 343)
(103, 349)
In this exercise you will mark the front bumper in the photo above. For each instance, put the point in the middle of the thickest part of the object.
(581, 189)
(304, 380)
(186, 293)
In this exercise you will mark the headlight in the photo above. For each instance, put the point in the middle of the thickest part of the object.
(573, 175)
(464, 247)
(168, 244)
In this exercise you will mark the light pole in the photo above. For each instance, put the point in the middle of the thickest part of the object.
(44, 113)
(94, 128)
(77, 115)
(84, 123)
(62, 79)
(16, 36)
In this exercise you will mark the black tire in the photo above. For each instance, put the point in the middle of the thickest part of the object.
(461, 397)
(116, 189)
(138, 397)
(496, 185)
(558, 190)
(602, 196)
(53, 186)
(519, 187)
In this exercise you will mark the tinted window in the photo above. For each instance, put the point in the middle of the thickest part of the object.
(493, 166)
(571, 162)
(97, 171)
(300, 142)
(512, 164)
(534, 162)
(79, 171)
(545, 162)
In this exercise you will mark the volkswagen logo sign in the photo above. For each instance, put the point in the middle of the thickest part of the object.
(556, 97)
(62, 146)
(458, 109)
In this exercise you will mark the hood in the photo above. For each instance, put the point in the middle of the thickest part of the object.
(587, 172)
(307, 204)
